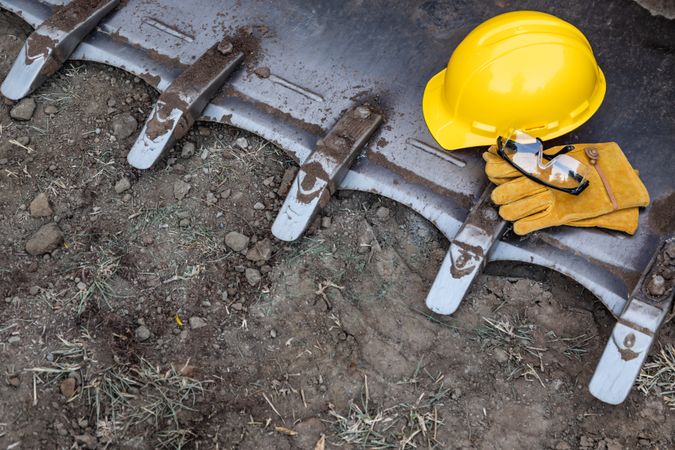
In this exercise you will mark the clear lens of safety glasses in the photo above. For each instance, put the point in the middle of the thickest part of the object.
(559, 171)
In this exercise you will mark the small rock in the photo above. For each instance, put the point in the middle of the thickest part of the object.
(122, 185)
(68, 388)
(23, 110)
(112, 102)
(382, 213)
(123, 125)
(211, 198)
(196, 322)
(287, 181)
(205, 154)
(87, 440)
(226, 193)
(500, 355)
(252, 276)
(657, 286)
(34, 290)
(259, 206)
(261, 251)
(188, 150)
(61, 429)
(184, 223)
(237, 306)
(14, 381)
(126, 198)
(273, 333)
(46, 239)
(224, 295)
(51, 109)
(180, 189)
(242, 143)
(326, 222)
(670, 250)
(262, 72)
(24, 140)
(39, 207)
(142, 333)
(14, 339)
(236, 241)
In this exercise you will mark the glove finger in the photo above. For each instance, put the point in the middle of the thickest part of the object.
(501, 170)
(526, 207)
(516, 189)
(492, 158)
(499, 180)
(624, 220)
(532, 223)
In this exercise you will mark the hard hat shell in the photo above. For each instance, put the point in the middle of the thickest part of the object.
(522, 70)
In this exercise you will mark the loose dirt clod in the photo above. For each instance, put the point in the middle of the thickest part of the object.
(45, 240)
(24, 109)
(39, 207)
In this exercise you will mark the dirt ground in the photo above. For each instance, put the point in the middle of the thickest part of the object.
(145, 327)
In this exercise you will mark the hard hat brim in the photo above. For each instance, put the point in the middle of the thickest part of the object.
(450, 132)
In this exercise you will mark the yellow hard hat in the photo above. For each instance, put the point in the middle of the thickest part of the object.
(522, 70)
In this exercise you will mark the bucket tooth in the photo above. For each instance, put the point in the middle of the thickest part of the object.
(50, 45)
(183, 102)
(466, 257)
(324, 170)
(631, 338)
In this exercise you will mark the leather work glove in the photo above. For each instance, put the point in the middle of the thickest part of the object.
(499, 172)
(610, 201)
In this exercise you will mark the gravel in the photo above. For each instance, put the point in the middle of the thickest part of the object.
(122, 185)
(188, 150)
(242, 143)
(23, 110)
(39, 207)
(180, 189)
(142, 333)
(196, 322)
(51, 110)
(46, 239)
(123, 125)
(382, 213)
(253, 276)
(261, 251)
(236, 241)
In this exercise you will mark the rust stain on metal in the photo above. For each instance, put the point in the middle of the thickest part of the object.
(462, 266)
(629, 277)
(283, 116)
(462, 200)
(628, 354)
(67, 17)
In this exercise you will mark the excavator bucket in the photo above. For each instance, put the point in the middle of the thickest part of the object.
(338, 86)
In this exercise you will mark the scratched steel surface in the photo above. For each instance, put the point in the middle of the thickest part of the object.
(326, 56)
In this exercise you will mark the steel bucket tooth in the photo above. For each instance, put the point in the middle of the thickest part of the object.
(325, 168)
(51, 44)
(466, 257)
(632, 337)
(184, 100)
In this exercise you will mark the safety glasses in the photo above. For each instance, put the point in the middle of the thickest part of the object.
(558, 171)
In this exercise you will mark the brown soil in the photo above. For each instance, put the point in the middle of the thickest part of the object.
(144, 330)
